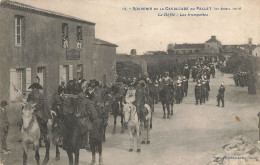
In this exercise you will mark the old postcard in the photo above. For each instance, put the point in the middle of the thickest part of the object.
(130, 82)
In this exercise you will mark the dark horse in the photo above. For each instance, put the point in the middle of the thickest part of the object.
(73, 137)
(118, 92)
(167, 99)
(58, 129)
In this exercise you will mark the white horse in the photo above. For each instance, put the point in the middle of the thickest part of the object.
(131, 119)
(30, 132)
(145, 125)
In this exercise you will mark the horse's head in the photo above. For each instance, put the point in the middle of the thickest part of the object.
(28, 114)
(58, 131)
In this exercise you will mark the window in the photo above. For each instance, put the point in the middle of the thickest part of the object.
(20, 79)
(65, 35)
(79, 71)
(79, 37)
(41, 75)
(18, 30)
(65, 73)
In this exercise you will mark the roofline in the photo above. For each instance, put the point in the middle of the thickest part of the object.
(102, 42)
(24, 7)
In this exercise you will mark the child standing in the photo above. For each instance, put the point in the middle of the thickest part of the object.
(4, 126)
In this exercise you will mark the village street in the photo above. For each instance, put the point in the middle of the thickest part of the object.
(192, 136)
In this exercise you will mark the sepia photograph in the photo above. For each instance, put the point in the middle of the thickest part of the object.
(129, 82)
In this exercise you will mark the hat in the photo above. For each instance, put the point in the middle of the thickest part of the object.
(222, 83)
(35, 85)
(3, 103)
(142, 83)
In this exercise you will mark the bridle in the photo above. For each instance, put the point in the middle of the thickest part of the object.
(32, 120)
(131, 117)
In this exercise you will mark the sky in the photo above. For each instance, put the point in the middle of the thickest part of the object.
(146, 31)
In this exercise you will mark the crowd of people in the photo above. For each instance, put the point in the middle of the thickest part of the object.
(90, 103)
(242, 79)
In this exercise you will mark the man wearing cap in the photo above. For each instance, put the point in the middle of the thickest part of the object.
(198, 92)
(4, 126)
(220, 96)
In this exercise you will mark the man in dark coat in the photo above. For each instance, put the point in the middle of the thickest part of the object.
(198, 92)
(203, 91)
(62, 88)
(220, 96)
(186, 71)
(178, 92)
(42, 113)
(236, 79)
(212, 70)
(4, 126)
(95, 117)
(141, 98)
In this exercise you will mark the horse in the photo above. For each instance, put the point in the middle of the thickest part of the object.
(118, 92)
(73, 137)
(145, 124)
(30, 133)
(167, 100)
(131, 119)
(58, 130)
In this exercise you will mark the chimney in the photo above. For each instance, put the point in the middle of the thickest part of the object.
(249, 41)
(213, 38)
(133, 52)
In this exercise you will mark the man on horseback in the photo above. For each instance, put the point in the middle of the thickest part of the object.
(93, 109)
(141, 96)
(42, 113)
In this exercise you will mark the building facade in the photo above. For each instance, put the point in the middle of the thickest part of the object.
(181, 49)
(49, 45)
(211, 46)
(256, 51)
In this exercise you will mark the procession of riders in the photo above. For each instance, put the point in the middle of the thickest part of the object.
(81, 108)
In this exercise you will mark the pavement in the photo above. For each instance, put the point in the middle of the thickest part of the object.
(192, 136)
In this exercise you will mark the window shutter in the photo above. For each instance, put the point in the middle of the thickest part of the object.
(28, 80)
(61, 74)
(70, 72)
(13, 84)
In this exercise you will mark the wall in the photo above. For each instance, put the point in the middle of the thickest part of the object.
(42, 46)
(212, 47)
(256, 51)
(104, 63)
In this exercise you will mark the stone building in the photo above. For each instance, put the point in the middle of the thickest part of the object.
(210, 47)
(132, 61)
(53, 46)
